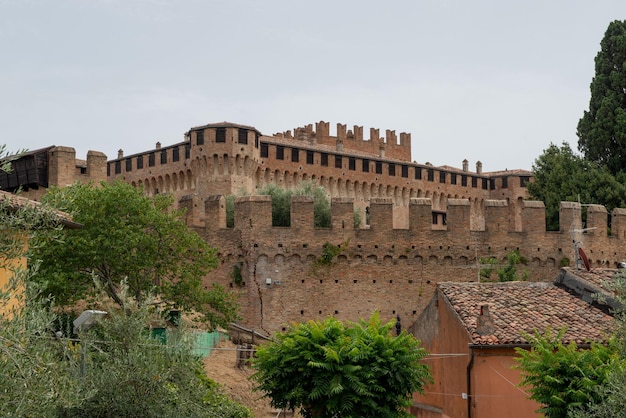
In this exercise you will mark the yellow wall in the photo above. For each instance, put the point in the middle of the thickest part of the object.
(7, 267)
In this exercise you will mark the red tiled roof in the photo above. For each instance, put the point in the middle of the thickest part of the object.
(518, 308)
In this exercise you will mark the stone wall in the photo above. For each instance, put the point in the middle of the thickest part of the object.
(380, 267)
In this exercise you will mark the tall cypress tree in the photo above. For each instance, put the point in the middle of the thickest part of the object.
(602, 129)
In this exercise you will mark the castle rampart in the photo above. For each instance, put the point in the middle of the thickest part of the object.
(227, 158)
(381, 267)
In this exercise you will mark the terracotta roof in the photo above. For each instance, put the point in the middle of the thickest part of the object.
(518, 308)
(18, 202)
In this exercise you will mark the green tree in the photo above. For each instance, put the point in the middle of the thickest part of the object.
(561, 175)
(128, 375)
(564, 377)
(334, 370)
(34, 381)
(611, 392)
(281, 204)
(127, 236)
(131, 374)
(602, 129)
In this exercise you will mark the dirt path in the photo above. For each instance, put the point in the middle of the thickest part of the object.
(221, 366)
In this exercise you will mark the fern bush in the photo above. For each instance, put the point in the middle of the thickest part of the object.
(331, 369)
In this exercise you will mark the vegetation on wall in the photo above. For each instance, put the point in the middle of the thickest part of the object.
(281, 204)
(331, 369)
(329, 252)
(506, 273)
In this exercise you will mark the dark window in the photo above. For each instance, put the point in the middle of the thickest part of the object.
(431, 174)
(405, 171)
(474, 181)
(83, 170)
(164, 156)
(392, 169)
(151, 159)
(175, 154)
(242, 136)
(338, 161)
(220, 135)
(280, 152)
(418, 173)
(108, 169)
(524, 180)
(118, 167)
(505, 182)
(324, 158)
(309, 157)
(256, 140)
(492, 184)
(295, 155)
(187, 151)
(366, 166)
(379, 167)
(485, 184)
(452, 178)
(200, 137)
(464, 180)
(442, 177)
(129, 164)
(139, 162)
(264, 151)
(439, 216)
(352, 163)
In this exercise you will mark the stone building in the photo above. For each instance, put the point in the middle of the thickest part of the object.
(35, 171)
(226, 158)
(425, 224)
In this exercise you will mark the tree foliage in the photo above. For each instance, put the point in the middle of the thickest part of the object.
(132, 374)
(562, 175)
(281, 203)
(330, 369)
(611, 392)
(129, 237)
(508, 272)
(128, 373)
(563, 377)
(602, 129)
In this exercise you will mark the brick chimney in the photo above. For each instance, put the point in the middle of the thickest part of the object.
(484, 323)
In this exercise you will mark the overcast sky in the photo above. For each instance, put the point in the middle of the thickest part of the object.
(495, 81)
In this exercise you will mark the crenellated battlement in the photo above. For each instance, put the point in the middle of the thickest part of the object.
(379, 146)
(250, 211)
(381, 267)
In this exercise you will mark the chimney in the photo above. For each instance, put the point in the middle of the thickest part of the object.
(479, 167)
(465, 165)
(484, 323)
(120, 154)
(158, 145)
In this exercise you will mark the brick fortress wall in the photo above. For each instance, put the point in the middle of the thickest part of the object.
(424, 223)
(391, 270)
